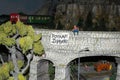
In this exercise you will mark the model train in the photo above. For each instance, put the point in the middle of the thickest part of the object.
(31, 19)
(28, 19)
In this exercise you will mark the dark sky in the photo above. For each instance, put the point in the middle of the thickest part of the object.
(26, 6)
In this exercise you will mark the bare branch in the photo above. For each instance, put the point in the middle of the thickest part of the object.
(1, 59)
(18, 46)
(12, 73)
(8, 48)
(14, 59)
(29, 58)
(16, 35)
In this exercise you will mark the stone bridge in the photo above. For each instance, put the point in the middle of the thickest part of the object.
(68, 47)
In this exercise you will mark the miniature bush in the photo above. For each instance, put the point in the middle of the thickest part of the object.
(21, 77)
(11, 78)
(7, 67)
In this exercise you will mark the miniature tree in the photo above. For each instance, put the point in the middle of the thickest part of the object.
(20, 39)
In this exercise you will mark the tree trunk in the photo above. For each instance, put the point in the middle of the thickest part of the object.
(19, 55)
(14, 60)
(29, 58)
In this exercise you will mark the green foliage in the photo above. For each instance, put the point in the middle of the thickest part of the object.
(20, 35)
(38, 48)
(113, 76)
(2, 37)
(14, 30)
(11, 66)
(21, 77)
(25, 43)
(51, 71)
(8, 41)
(1, 28)
(7, 67)
(22, 30)
(8, 28)
(37, 37)
(28, 39)
(4, 71)
(30, 31)
(11, 78)
(20, 64)
(5, 31)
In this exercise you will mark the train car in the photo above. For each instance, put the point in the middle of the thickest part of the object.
(39, 19)
(23, 18)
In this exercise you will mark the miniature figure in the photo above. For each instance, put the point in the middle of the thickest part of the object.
(86, 67)
(75, 30)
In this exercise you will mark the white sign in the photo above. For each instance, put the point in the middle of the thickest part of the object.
(59, 38)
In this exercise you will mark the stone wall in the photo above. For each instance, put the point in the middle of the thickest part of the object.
(98, 43)
(95, 41)
(81, 45)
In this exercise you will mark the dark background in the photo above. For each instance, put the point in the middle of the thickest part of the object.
(25, 6)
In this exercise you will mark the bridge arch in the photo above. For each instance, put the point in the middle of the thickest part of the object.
(91, 55)
(40, 69)
(44, 59)
(74, 64)
(104, 56)
(47, 69)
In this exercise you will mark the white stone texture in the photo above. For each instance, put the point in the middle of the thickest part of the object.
(98, 43)
(62, 72)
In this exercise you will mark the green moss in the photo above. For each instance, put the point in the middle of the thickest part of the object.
(51, 71)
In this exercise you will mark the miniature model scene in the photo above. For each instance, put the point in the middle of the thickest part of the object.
(94, 69)
(60, 40)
